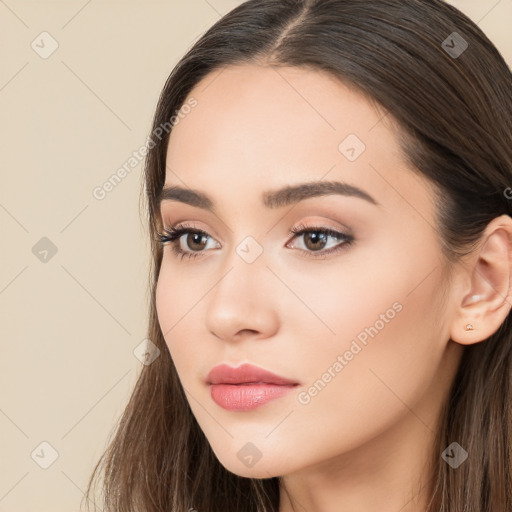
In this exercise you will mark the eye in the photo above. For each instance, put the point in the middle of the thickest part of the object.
(317, 239)
(195, 237)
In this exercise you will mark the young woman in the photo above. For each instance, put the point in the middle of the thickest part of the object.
(329, 198)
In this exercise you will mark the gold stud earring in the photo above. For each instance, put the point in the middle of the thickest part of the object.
(469, 327)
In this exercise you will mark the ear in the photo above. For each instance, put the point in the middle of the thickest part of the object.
(486, 295)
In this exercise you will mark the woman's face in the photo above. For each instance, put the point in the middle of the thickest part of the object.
(357, 322)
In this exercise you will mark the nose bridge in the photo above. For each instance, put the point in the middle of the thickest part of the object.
(240, 298)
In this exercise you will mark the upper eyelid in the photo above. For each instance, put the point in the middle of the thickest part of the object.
(169, 209)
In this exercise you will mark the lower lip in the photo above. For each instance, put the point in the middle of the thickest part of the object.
(246, 397)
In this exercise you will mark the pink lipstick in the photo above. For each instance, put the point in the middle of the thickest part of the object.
(246, 387)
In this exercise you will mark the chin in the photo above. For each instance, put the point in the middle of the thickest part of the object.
(243, 466)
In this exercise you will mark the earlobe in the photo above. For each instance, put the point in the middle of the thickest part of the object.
(472, 299)
(485, 307)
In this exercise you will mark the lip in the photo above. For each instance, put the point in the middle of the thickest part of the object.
(246, 387)
(246, 373)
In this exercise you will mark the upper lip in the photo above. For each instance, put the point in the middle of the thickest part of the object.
(246, 373)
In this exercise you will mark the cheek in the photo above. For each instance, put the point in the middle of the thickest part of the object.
(168, 307)
(174, 296)
(163, 302)
(176, 300)
(383, 359)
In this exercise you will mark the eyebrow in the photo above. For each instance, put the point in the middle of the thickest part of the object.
(271, 199)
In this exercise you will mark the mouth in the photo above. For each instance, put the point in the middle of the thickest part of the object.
(246, 387)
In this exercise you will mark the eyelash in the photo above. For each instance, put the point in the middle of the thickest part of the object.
(173, 235)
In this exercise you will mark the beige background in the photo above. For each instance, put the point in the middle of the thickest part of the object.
(70, 324)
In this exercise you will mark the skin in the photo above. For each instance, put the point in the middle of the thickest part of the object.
(363, 442)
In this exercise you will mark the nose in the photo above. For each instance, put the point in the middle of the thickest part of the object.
(242, 304)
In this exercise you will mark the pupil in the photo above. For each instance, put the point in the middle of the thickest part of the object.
(196, 237)
(317, 237)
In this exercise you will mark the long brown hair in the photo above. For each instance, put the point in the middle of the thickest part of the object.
(451, 97)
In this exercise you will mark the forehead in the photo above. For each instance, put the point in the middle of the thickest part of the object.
(261, 111)
(256, 128)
